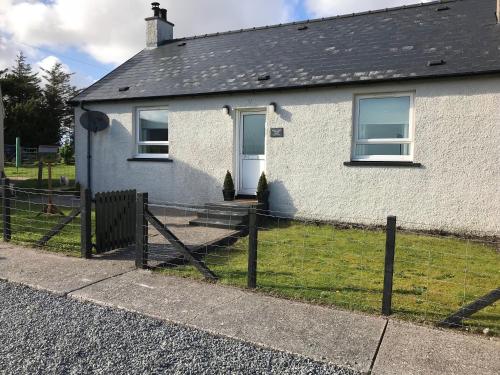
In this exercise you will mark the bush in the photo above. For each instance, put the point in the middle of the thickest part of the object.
(228, 182)
(66, 151)
(262, 185)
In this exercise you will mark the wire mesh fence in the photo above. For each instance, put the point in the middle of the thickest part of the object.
(332, 263)
(41, 218)
(182, 234)
(319, 262)
(434, 278)
(437, 274)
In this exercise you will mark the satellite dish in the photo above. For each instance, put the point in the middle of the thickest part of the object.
(94, 121)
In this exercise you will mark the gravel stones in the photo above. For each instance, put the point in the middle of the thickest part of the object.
(42, 333)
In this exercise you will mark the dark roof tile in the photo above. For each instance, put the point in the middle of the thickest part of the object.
(397, 43)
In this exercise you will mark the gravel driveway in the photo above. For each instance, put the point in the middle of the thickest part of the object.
(41, 333)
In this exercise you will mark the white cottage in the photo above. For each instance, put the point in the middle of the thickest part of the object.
(352, 117)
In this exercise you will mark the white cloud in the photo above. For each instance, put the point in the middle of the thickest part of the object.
(325, 8)
(113, 30)
(48, 63)
(7, 52)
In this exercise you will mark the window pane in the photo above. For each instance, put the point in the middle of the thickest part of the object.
(153, 125)
(384, 118)
(254, 134)
(153, 149)
(383, 149)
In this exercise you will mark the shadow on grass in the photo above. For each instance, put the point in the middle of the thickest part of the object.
(266, 223)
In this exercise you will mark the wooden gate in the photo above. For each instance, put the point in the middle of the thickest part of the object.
(115, 220)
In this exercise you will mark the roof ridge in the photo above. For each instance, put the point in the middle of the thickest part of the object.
(314, 20)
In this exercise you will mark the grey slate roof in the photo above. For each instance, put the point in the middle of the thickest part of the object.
(396, 43)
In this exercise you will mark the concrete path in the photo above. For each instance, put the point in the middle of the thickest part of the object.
(361, 342)
(412, 349)
(56, 273)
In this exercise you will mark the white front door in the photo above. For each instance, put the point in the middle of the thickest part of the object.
(252, 150)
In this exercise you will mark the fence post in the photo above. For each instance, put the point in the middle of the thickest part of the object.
(40, 174)
(390, 245)
(86, 223)
(18, 152)
(141, 231)
(7, 232)
(252, 248)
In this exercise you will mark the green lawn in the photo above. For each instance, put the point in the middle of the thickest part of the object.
(433, 276)
(27, 175)
(29, 225)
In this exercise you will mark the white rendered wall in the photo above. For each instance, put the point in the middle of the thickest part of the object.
(457, 137)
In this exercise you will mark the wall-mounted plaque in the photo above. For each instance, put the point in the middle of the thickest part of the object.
(277, 133)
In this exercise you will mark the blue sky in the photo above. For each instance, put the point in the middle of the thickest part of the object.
(92, 37)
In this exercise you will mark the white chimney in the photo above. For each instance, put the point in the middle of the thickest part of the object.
(158, 29)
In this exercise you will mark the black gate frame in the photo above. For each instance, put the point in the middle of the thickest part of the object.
(145, 217)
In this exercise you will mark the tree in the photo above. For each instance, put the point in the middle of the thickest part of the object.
(37, 115)
(21, 83)
(57, 92)
(25, 120)
(23, 101)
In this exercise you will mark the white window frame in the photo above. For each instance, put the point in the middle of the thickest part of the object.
(146, 143)
(409, 141)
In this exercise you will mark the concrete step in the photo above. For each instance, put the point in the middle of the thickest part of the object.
(234, 206)
(223, 214)
(218, 223)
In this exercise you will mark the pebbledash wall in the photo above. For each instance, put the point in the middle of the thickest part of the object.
(457, 134)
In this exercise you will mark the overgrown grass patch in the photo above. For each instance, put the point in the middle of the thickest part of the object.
(433, 277)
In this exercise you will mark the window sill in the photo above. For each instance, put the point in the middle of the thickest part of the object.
(161, 160)
(382, 164)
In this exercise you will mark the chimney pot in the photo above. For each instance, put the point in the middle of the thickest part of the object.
(163, 12)
(156, 9)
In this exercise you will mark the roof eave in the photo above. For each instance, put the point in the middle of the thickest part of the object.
(75, 102)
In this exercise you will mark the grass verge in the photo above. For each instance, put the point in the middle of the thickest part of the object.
(433, 277)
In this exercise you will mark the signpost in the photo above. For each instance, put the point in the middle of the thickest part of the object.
(18, 153)
(49, 155)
